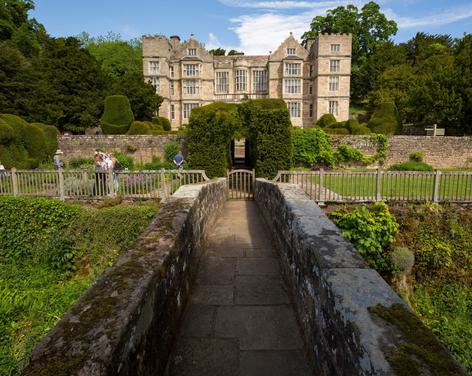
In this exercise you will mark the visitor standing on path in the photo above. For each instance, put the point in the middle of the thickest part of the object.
(57, 159)
(99, 188)
(179, 161)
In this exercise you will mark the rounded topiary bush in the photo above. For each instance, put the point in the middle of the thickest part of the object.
(139, 127)
(117, 116)
(403, 260)
(14, 155)
(360, 129)
(7, 134)
(15, 122)
(385, 119)
(165, 123)
(326, 120)
(50, 133)
(34, 140)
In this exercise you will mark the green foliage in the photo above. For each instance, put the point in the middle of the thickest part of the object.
(267, 123)
(34, 140)
(165, 123)
(403, 260)
(139, 127)
(325, 120)
(126, 161)
(157, 164)
(117, 116)
(417, 156)
(17, 123)
(51, 253)
(217, 52)
(171, 149)
(334, 130)
(421, 351)
(311, 147)
(345, 154)
(371, 231)
(81, 162)
(411, 166)
(7, 134)
(50, 133)
(27, 223)
(210, 131)
(385, 120)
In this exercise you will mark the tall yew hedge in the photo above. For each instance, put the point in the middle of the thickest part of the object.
(210, 131)
(269, 128)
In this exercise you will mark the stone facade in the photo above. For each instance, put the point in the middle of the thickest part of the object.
(141, 148)
(126, 322)
(313, 80)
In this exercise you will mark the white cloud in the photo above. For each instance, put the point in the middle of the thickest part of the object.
(260, 33)
(437, 19)
(284, 4)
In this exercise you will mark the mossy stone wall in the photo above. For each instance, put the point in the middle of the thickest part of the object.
(126, 322)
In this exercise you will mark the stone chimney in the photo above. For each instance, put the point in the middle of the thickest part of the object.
(175, 41)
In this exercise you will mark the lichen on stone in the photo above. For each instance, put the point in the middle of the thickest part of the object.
(421, 353)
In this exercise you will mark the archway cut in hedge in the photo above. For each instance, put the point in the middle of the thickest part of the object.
(265, 123)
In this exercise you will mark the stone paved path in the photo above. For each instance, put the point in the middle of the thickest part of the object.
(239, 320)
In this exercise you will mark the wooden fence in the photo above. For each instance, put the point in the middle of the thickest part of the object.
(377, 185)
(82, 184)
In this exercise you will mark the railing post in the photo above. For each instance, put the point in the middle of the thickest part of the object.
(437, 178)
(320, 199)
(62, 194)
(14, 181)
(163, 183)
(378, 195)
(111, 183)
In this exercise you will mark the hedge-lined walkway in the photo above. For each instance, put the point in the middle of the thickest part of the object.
(239, 320)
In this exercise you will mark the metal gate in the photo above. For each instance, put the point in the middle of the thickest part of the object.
(241, 184)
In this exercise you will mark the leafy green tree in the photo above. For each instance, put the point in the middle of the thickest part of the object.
(121, 63)
(217, 52)
(71, 88)
(234, 52)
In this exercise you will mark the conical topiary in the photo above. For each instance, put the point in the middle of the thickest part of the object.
(117, 116)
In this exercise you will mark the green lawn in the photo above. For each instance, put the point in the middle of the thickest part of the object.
(411, 187)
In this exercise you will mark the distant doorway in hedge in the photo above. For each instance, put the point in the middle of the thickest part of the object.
(239, 152)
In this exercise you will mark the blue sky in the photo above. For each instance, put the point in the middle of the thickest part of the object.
(253, 26)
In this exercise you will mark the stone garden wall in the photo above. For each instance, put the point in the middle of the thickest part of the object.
(141, 148)
(332, 287)
(440, 152)
(126, 322)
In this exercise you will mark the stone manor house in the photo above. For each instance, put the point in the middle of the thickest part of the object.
(312, 81)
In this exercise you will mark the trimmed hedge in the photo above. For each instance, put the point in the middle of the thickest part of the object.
(268, 125)
(117, 116)
(35, 142)
(51, 133)
(139, 127)
(325, 120)
(210, 131)
(165, 123)
(385, 119)
(17, 123)
(7, 134)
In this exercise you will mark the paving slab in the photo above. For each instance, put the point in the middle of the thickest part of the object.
(239, 319)
(260, 290)
(259, 327)
(205, 357)
(274, 363)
